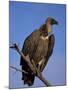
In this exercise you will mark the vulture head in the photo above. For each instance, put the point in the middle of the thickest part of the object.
(49, 22)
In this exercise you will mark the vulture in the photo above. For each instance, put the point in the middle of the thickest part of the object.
(39, 47)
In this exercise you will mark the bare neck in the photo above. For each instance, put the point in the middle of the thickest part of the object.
(49, 27)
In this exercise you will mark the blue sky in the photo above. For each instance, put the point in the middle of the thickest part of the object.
(24, 18)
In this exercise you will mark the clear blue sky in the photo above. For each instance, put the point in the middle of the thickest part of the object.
(24, 19)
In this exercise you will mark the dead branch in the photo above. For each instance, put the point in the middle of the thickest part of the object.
(32, 65)
(18, 69)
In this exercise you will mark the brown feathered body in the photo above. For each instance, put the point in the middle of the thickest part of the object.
(39, 46)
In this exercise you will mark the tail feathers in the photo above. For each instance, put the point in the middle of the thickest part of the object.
(28, 79)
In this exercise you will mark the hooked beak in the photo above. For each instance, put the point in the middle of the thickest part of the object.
(54, 22)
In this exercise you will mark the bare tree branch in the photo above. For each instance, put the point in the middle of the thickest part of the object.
(32, 65)
(18, 69)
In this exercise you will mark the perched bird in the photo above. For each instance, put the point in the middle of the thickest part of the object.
(39, 47)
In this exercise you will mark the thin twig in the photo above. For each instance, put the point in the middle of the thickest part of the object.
(18, 69)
